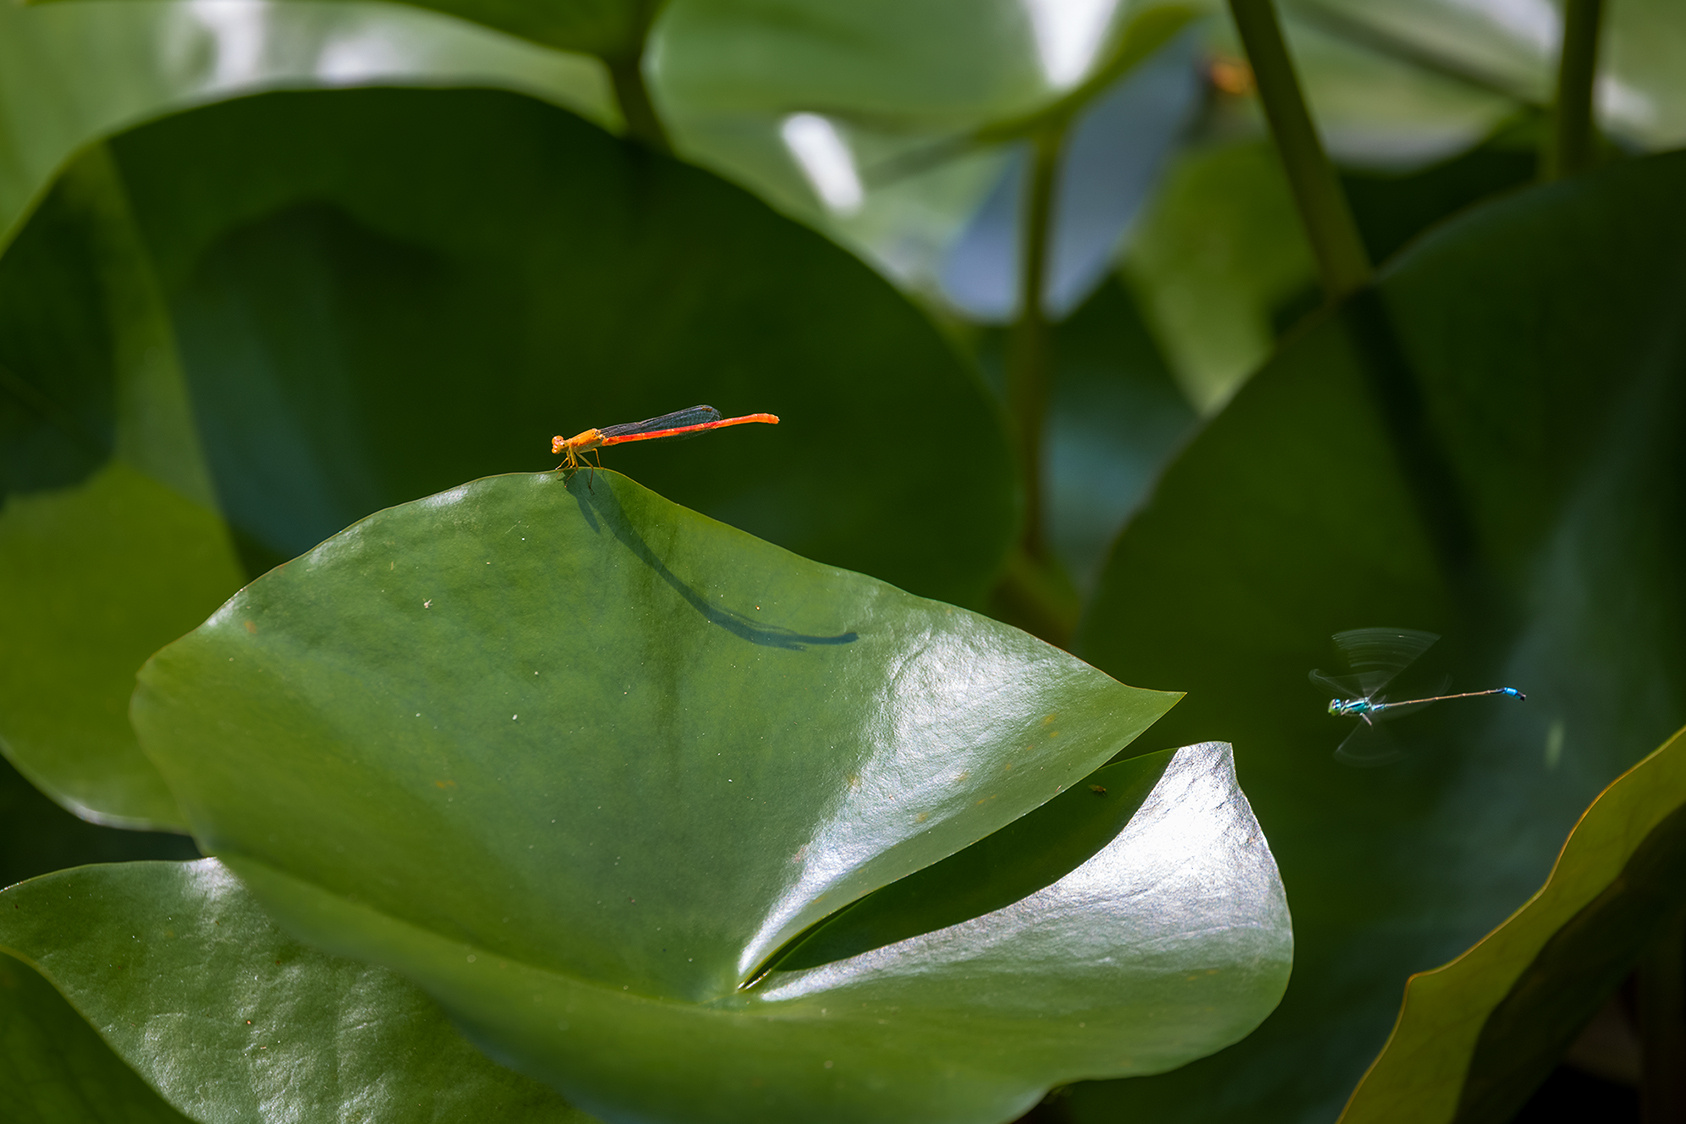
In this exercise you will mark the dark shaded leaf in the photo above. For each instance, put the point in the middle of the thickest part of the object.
(37, 836)
(1476, 1036)
(1528, 507)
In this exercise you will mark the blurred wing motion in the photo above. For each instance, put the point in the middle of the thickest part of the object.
(1369, 745)
(1376, 655)
(1341, 686)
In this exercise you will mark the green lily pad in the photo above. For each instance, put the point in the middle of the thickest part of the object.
(1476, 1036)
(360, 298)
(581, 762)
(1522, 497)
(189, 981)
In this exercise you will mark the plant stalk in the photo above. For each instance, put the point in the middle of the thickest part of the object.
(1037, 596)
(1029, 356)
(639, 112)
(1573, 144)
(1341, 258)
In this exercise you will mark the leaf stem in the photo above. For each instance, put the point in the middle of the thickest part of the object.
(1661, 980)
(1573, 142)
(1037, 596)
(639, 112)
(1029, 356)
(1341, 258)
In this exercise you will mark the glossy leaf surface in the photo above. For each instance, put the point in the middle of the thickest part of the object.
(190, 982)
(1539, 534)
(53, 1067)
(1476, 1036)
(360, 298)
(438, 741)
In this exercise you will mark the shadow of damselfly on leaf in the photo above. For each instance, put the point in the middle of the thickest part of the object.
(1376, 657)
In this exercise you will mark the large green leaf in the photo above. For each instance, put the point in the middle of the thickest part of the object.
(190, 982)
(1221, 264)
(1476, 1036)
(378, 293)
(898, 88)
(53, 1067)
(1216, 253)
(87, 360)
(1512, 47)
(936, 65)
(297, 309)
(1521, 493)
(108, 535)
(882, 123)
(610, 28)
(581, 761)
(1376, 110)
(73, 74)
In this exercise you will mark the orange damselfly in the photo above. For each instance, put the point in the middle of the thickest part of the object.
(680, 423)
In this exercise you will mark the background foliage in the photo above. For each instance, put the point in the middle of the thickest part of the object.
(1029, 286)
